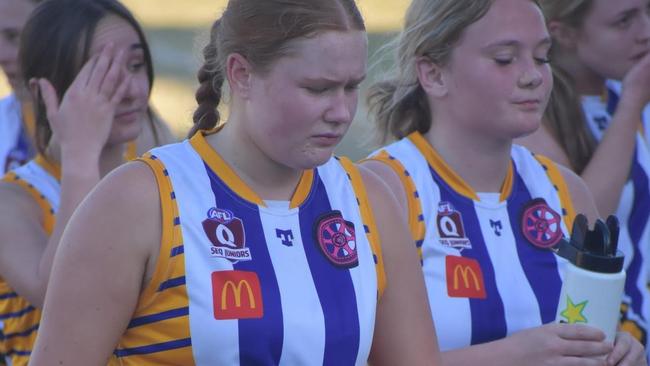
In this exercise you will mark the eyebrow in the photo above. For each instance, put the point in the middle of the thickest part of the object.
(136, 46)
(514, 43)
(331, 81)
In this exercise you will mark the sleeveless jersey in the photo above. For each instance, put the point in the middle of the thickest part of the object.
(486, 265)
(15, 131)
(20, 318)
(239, 282)
(633, 212)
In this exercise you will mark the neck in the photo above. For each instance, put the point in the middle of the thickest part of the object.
(481, 162)
(586, 81)
(266, 177)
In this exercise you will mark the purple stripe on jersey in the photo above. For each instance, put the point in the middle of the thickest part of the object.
(24, 333)
(172, 282)
(18, 313)
(637, 222)
(14, 352)
(488, 315)
(8, 295)
(153, 348)
(148, 319)
(333, 285)
(539, 265)
(177, 251)
(260, 340)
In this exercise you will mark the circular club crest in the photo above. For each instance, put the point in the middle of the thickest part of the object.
(541, 225)
(335, 237)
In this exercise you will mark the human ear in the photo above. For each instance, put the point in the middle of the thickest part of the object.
(563, 34)
(238, 72)
(430, 77)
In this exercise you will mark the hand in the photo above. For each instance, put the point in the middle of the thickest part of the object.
(627, 351)
(82, 122)
(636, 83)
(561, 344)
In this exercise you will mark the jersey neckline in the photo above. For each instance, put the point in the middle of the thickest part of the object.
(226, 173)
(454, 180)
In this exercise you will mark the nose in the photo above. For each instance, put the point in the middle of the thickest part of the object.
(137, 89)
(531, 77)
(341, 107)
(644, 32)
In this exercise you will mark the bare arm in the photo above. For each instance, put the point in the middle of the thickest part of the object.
(100, 269)
(408, 338)
(391, 179)
(542, 142)
(80, 124)
(581, 196)
(609, 167)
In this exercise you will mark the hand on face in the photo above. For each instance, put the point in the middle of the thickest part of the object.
(82, 121)
(637, 81)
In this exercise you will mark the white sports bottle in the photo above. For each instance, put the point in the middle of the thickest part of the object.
(594, 279)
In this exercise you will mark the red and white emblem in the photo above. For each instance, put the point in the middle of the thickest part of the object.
(451, 231)
(227, 235)
(336, 239)
(540, 224)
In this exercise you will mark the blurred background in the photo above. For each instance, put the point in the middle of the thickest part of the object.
(177, 30)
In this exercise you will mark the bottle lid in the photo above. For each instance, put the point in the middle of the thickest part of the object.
(593, 250)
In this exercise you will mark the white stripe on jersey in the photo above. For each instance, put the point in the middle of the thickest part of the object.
(453, 315)
(299, 296)
(45, 183)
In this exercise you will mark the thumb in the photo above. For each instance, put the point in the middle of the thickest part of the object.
(49, 96)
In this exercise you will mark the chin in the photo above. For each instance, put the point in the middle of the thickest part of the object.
(124, 133)
(313, 161)
(526, 127)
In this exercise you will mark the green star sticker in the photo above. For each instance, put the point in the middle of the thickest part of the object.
(573, 312)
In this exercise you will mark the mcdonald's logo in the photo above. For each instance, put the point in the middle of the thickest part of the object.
(236, 295)
(464, 278)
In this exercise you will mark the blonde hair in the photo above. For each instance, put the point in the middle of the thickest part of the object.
(564, 117)
(432, 27)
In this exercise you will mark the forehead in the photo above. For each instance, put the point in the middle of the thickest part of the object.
(14, 13)
(113, 29)
(336, 55)
(604, 10)
(512, 20)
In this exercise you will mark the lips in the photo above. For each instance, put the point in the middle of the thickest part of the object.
(639, 56)
(129, 115)
(528, 104)
(327, 139)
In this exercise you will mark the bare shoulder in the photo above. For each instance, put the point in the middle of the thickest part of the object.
(376, 186)
(15, 199)
(581, 196)
(542, 142)
(385, 172)
(132, 184)
(126, 200)
(389, 177)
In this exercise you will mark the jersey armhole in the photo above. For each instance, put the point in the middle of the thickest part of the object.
(39, 198)
(170, 230)
(554, 174)
(370, 226)
(414, 206)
